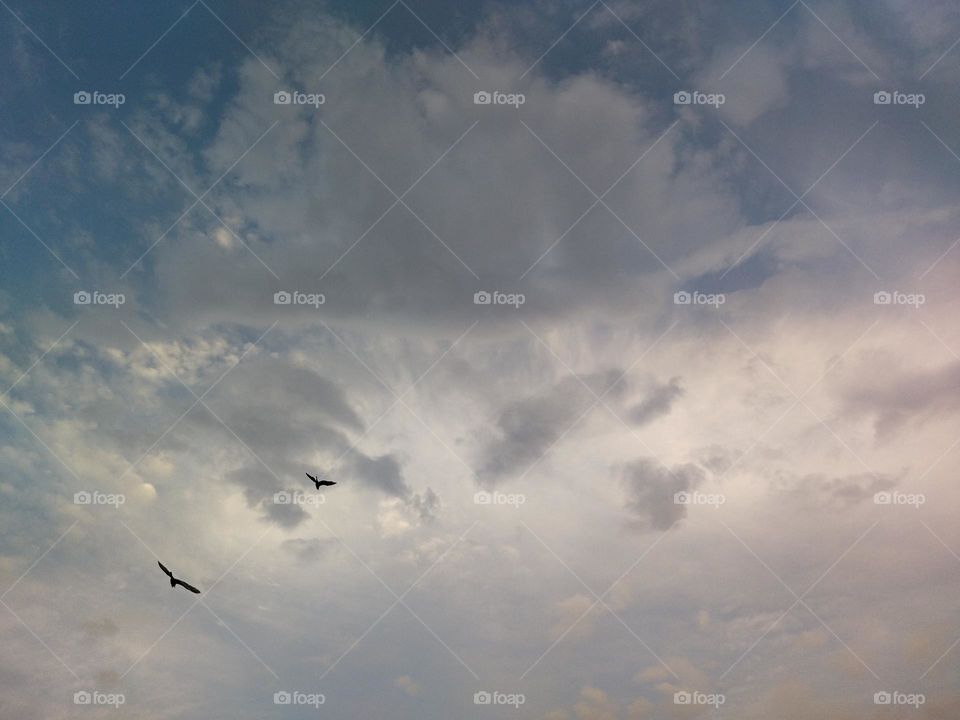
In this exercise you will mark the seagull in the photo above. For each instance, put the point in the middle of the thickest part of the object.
(174, 581)
(320, 483)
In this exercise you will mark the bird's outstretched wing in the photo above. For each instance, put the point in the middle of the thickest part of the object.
(168, 573)
(188, 586)
(327, 482)
(310, 476)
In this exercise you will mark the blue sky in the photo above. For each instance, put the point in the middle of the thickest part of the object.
(628, 399)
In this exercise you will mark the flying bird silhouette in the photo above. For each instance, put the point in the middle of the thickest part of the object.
(174, 581)
(320, 483)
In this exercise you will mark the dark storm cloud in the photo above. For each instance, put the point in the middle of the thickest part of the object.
(651, 487)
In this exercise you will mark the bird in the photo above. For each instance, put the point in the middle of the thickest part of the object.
(174, 581)
(320, 483)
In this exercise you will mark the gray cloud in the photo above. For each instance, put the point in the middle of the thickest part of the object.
(650, 488)
(307, 550)
(285, 515)
(895, 398)
(295, 415)
(426, 505)
(100, 628)
(845, 491)
(528, 427)
(382, 473)
(300, 200)
(658, 401)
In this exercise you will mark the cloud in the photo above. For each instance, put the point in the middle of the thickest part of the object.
(599, 284)
(659, 401)
(572, 616)
(844, 491)
(407, 685)
(528, 427)
(593, 704)
(286, 516)
(101, 628)
(394, 266)
(426, 505)
(903, 395)
(650, 489)
(307, 550)
(382, 473)
(757, 85)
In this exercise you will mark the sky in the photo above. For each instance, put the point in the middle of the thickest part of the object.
(627, 331)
